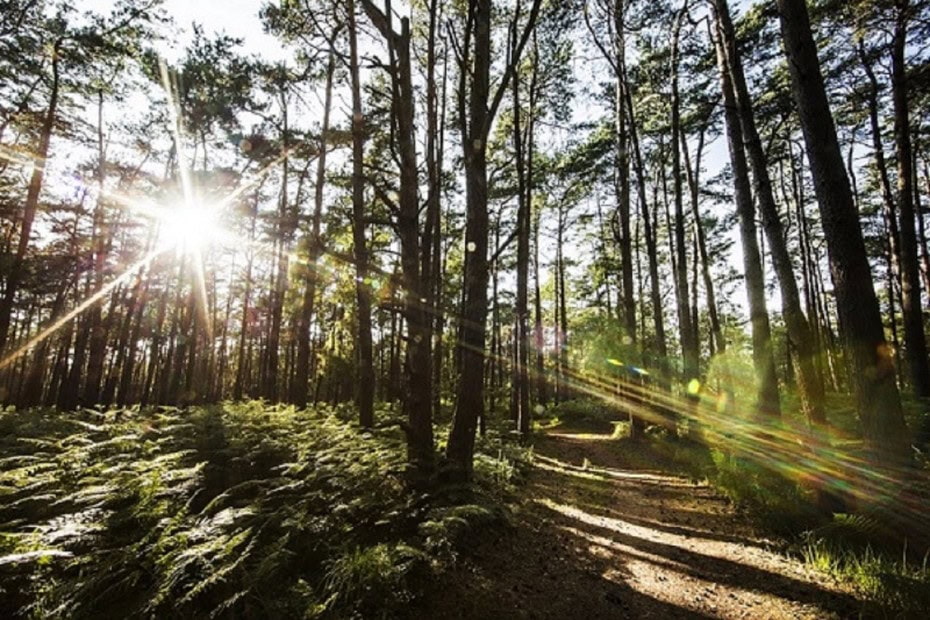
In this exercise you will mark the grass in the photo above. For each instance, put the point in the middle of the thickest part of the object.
(891, 586)
(238, 510)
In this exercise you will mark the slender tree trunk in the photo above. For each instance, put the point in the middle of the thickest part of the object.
(301, 386)
(717, 342)
(622, 172)
(417, 389)
(661, 348)
(101, 240)
(521, 413)
(924, 246)
(810, 384)
(270, 388)
(542, 396)
(475, 127)
(439, 264)
(889, 211)
(429, 245)
(686, 329)
(240, 386)
(561, 316)
(767, 400)
(31, 205)
(365, 390)
(915, 342)
(470, 391)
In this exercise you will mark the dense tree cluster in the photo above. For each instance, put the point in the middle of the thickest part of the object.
(470, 208)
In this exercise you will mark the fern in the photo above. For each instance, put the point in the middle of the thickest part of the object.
(224, 511)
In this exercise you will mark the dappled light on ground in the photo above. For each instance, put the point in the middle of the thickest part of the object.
(607, 532)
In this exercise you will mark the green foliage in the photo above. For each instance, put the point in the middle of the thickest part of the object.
(377, 576)
(237, 510)
(584, 413)
(499, 465)
(864, 549)
(892, 586)
(780, 505)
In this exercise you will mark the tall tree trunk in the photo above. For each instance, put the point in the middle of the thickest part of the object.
(365, 390)
(767, 400)
(440, 259)
(417, 389)
(622, 172)
(301, 386)
(560, 322)
(270, 389)
(470, 391)
(810, 384)
(686, 329)
(539, 338)
(655, 295)
(430, 243)
(915, 342)
(717, 342)
(30, 207)
(475, 126)
(101, 240)
(922, 239)
(240, 385)
(876, 389)
(521, 413)
(889, 211)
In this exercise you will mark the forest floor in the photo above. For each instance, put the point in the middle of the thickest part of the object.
(603, 529)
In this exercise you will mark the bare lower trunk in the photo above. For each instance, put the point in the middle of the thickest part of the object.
(767, 399)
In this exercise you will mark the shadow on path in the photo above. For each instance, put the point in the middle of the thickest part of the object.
(605, 531)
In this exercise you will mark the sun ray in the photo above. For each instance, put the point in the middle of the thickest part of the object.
(87, 303)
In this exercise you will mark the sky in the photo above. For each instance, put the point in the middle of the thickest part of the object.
(237, 18)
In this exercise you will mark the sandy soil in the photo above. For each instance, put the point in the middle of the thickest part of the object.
(603, 531)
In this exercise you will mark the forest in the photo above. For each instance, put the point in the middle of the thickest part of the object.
(464, 309)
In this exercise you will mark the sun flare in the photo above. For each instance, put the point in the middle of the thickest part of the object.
(190, 227)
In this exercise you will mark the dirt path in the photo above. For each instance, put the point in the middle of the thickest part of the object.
(603, 532)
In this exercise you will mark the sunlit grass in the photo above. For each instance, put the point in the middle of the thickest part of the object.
(898, 584)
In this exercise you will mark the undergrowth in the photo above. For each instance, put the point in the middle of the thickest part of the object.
(892, 586)
(241, 510)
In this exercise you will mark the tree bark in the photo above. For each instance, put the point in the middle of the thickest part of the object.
(717, 341)
(14, 277)
(301, 386)
(686, 329)
(521, 413)
(417, 389)
(876, 389)
(365, 390)
(915, 342)
(767, 399)
(655, 295)
(482, 109)
(810, 384)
